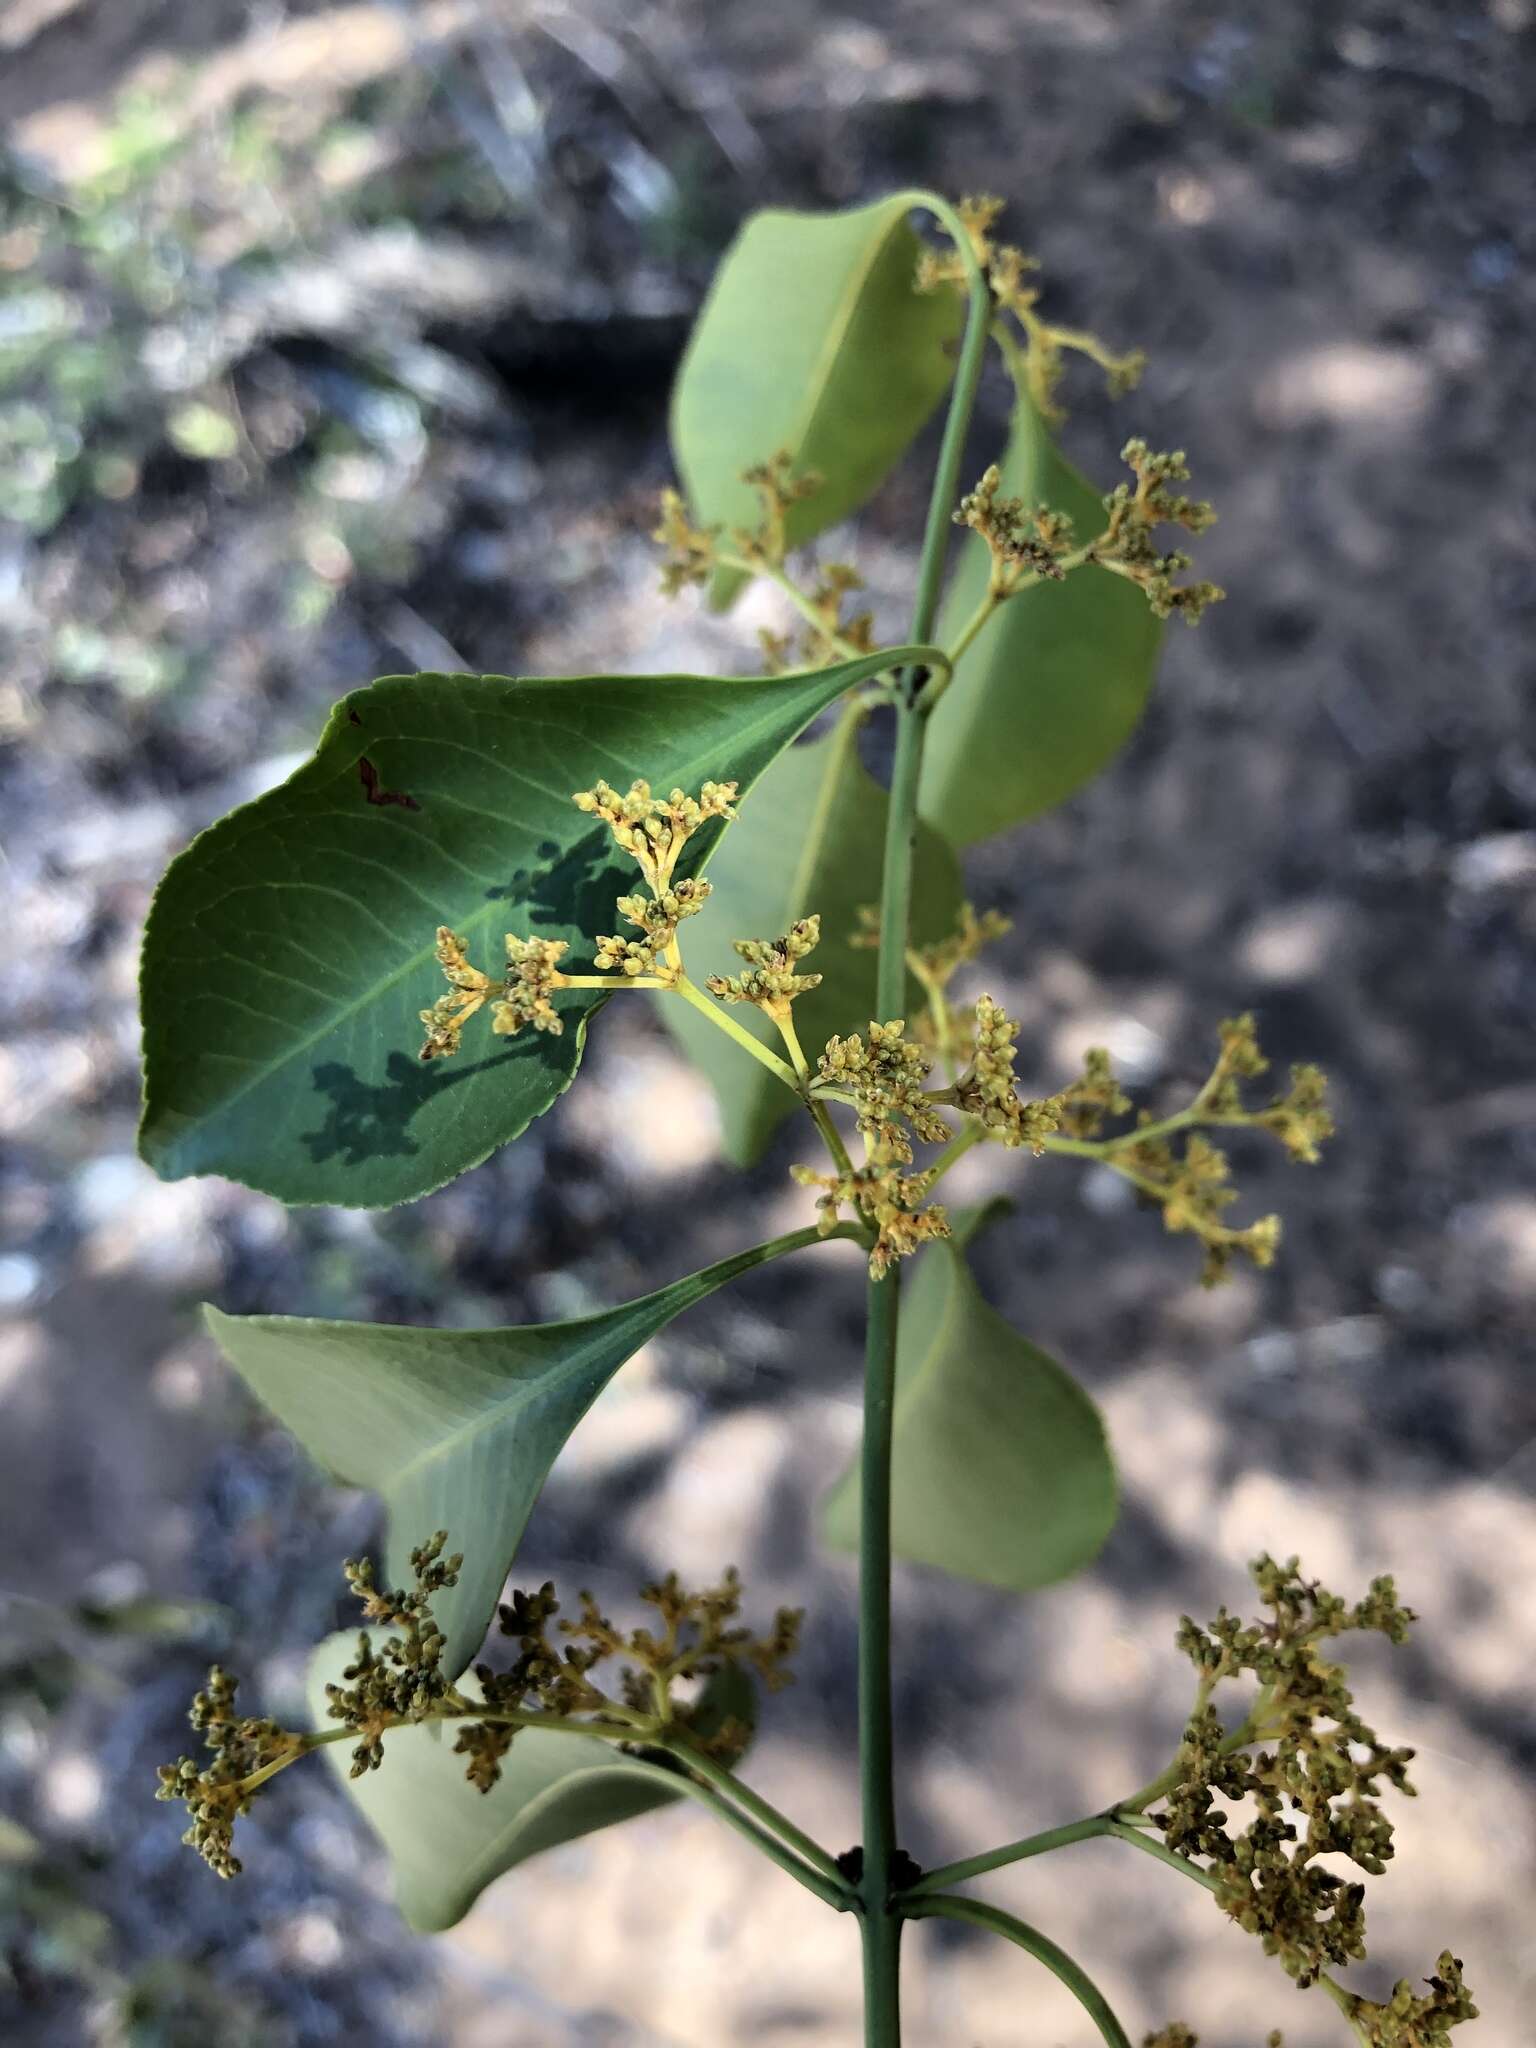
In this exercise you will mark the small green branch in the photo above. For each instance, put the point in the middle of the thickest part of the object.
(722, 1019)
(833, 1892)
(831, 1137)
(612, 981)
(770, 1817)
(760, 1823)
(973, 1134)
(1033, 1942)
(780, 578)
(951, 1874)
(1149, 1845)
(946, 479)
(783, 1016)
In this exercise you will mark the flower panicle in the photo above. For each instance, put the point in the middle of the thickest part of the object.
(1012, 281)
(653, 830)
(1312, 1772)
(1172, 1163)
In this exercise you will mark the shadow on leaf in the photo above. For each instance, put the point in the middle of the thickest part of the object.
(371, 1119)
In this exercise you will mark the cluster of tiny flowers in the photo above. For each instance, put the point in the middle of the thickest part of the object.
(887, 1199)
(834, 636)
(938, 964)
(1008, 271)
(402, 1684)
(1028, 542)
(522, 996)
(1093, 1098)
(1414, 2019)
(771, 980)
(1309, 1765)
(1024, 541)
(1185, 1174)
(778, 488)
(1179, 2036)
(1193, 1185)
(692, 555)
(216, 1795)
(1129, 546)
(945, 1028)
(690, 550)
(653, 830)
(402, 1681)
(698, 1636)
(886, 1078)
(988, 1090)
(656, 918)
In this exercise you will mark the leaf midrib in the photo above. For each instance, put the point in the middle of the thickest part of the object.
(819, 382)
(502, 1409)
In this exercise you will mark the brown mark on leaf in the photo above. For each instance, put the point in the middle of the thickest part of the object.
(369, 777)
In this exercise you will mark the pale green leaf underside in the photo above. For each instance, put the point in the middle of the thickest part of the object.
(1055, 683)
(812, 840)
(812, 339)
(1001, 1470)
(289, 950)
(446, 1840)
(457, 1429)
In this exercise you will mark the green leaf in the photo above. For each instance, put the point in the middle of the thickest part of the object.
(1001, 1470)
(457, 1429)
(813, 339)
(1054, 684)
(811, 839)
(448, 1841)
(289, 950)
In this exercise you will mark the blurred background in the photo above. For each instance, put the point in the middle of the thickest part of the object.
(335, 341)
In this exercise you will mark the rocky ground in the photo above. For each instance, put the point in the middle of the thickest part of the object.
(366, 318)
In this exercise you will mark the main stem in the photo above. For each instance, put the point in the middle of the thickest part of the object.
(879, 1921)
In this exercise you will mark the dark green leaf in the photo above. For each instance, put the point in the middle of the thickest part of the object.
(1055, 683)
(1001, 1469)
(457, 1429)
(289, 950)
(448, 1841)
(813, 340)
(811, 839)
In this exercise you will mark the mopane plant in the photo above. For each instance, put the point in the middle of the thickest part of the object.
(363, 983)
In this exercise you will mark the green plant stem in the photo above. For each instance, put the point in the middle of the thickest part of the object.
(782, 580)
(722, 1019)
(881, 1930)
(951, 1874)
(831, 1137)
(832, 1891)
(613, 981)
(880, 1923)
(1040, 1946)
(881, 1927)
(1149, 1845)
(946, 479)
(753, 1803)
(957, 1148)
